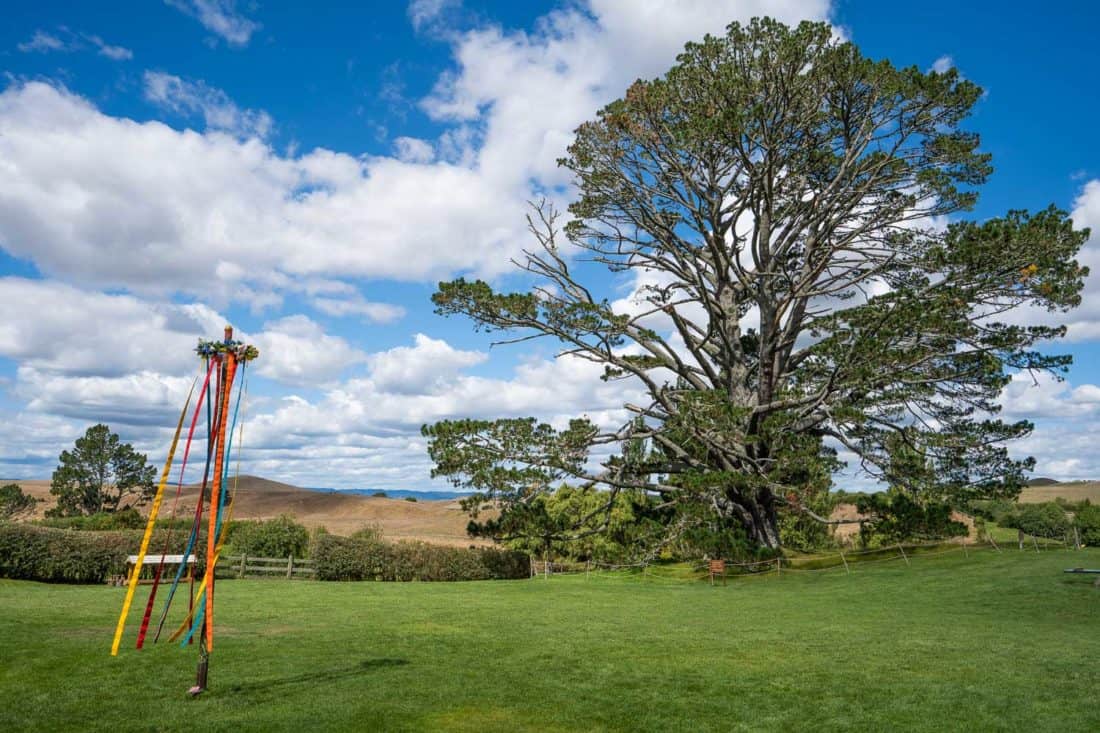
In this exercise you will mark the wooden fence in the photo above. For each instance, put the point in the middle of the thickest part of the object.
(240, 566)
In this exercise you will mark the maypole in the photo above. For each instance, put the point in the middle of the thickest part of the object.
(224, 361)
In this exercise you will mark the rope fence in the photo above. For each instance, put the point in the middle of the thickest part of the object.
(848, 562)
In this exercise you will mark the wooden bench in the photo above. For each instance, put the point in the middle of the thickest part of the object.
(1086, 571)
(717, 567)
(152, 559)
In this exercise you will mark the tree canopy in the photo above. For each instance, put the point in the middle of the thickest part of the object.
(97, 473)
(14, 501)
(789, 211)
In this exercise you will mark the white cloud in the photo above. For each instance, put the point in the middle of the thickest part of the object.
(109, 202)
(357, 306)
(1084, 321)
(426, 367)
(942, 64)
(413, 150)
(65, 40)
(115, 53)
(51, 327)
(139, 398)
(1040, 395)
(194, 97)
(365, 432)
(114, 203)
(220, 17)
(296, 350)
(425, 13)
(43, 42)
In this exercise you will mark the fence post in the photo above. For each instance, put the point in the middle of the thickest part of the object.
(1035, 542)
(778, 566)
(1076, 539)
(587, 565)
(843, 560)
(290, 566)
(244, 559)
(902, 551)
(966, 552)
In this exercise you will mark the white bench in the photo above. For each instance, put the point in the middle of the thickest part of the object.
(154, 559)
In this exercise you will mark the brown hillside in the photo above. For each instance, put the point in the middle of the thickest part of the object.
(1069, 490)
(848, 534)
(440, 522)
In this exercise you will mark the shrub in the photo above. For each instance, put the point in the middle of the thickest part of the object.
(379, 494)
(128, 518)
(14, 501)
(278, 537)
(30, 552)
(410, 498)
(1087, 522)
(366, 557)
(1039, 520)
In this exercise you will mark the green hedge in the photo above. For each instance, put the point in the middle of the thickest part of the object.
(364, 558)
(29, 552)
(276, 537)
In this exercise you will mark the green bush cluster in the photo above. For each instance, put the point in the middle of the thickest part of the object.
(47, 554)
(368, 558)
(1087, 521)
(1038, 520)
(278, 537)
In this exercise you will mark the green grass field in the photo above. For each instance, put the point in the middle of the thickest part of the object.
(986, 642)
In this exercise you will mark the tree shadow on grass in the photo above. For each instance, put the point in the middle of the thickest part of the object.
(276, 685)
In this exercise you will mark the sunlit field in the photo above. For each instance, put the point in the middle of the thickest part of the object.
(988, 641)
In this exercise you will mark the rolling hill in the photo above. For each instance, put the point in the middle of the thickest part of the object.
(440, 522)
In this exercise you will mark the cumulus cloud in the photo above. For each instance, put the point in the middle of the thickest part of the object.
(427, 367)
(218, 111)
(108, 202)
(111, 202)
(1040, 395)
(56, 328)
(942, 64)
(296, 350)
(366, 430)
(413, 150)
(220, 17)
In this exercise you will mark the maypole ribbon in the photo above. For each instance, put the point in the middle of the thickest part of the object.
(215, 493)
(192, 623)
(150, 525)
(212, 421)
(144, 628)
(229, 449)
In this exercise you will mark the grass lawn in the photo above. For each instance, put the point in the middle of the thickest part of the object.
(990, 642)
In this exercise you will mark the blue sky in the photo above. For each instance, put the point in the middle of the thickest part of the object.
(310, 174)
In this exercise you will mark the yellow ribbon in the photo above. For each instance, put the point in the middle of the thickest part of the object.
(183, 627)
(149, 527)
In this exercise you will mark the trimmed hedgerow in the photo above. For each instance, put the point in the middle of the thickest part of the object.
(29, 552)
(276, 537)
(366, 558)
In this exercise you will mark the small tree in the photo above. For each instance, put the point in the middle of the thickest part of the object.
(14, 502)
(98, 473)
(1039, 520)
(1087, 522)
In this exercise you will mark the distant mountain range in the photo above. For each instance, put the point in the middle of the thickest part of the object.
(395, 493)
